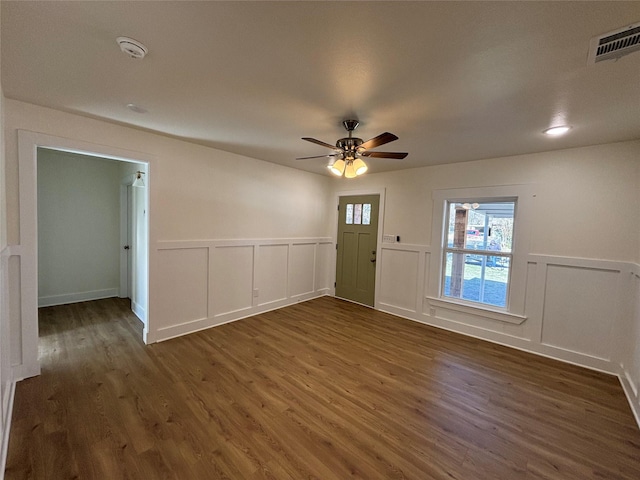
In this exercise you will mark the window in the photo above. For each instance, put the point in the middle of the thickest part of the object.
(478, 259)
(358, 214)
(477, 251)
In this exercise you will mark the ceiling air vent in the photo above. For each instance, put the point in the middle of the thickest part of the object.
(614, 45)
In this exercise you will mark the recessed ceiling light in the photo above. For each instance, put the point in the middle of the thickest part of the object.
(557, 131)
(136, 108)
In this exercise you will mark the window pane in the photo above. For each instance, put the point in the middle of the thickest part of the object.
(477, 278)
(480, 226)
(349, 214)
(451, 224)
(454, 275)
(366, 214)
(357, 214)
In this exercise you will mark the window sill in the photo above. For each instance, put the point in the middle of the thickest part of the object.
(478, 311)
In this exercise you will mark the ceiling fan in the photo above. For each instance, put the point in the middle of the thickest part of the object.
(349, 150)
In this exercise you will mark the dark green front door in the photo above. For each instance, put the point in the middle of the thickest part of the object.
(357, 245)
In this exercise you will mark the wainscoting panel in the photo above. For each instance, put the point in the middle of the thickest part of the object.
(325, 266)
(399, 278)
(271, 273)
(232, 278)
(579, 309)
(205, 283)
(302, 269)
(184, 273)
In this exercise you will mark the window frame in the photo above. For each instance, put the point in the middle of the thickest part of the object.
(522, 195)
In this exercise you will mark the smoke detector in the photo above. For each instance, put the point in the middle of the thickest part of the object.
(132, 47)
(615, 44)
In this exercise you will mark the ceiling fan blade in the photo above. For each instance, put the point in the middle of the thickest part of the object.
(396, 155)
(320, 142)
(381, 139)
(317, 156)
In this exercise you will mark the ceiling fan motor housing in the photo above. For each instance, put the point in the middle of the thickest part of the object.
(349, 145)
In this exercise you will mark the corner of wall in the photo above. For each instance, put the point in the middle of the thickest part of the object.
(7, 409)
(629, 362)
(631, 391)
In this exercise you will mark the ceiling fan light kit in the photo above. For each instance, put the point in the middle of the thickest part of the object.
(349, 151)
(360, 166)
(338, 167)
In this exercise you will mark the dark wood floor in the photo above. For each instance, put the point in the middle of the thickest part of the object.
(320, 390)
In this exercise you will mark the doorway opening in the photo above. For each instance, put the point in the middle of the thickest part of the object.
(91, 230)
(89, 218)
(86, 260)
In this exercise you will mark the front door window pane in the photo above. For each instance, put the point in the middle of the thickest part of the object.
(366, 214)
(349, 220)
(357, 214)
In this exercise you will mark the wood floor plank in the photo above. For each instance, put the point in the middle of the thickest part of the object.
(320, 390)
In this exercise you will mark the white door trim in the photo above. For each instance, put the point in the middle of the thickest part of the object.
(28, 144)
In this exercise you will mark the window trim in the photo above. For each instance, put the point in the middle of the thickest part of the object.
(523, 197)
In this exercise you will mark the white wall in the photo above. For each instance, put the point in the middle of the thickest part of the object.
(206, 210)
(583, 248)
(198, 192)
(78, 228)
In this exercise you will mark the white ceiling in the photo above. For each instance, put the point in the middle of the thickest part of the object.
(456, 81)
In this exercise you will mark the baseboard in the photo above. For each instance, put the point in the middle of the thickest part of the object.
(6, 424)
(53, 300)
(139, 311)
